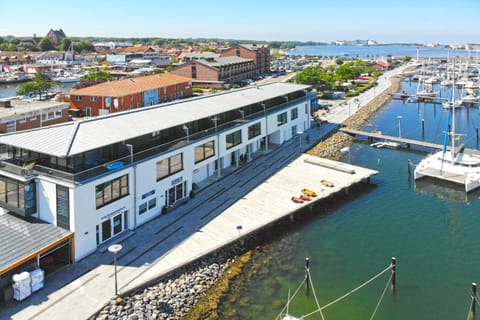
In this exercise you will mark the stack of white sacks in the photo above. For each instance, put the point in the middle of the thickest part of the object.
(37, 277)
(25, 283)
(21, 286)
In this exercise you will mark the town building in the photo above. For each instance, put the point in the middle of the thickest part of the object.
(260, 54)
(18, 114)
(131, 93)
(213, 70)
(90, 182)
(56, 36)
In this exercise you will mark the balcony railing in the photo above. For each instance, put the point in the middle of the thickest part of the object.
(13, 166)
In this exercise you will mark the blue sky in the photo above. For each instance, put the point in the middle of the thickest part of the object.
(441, 21)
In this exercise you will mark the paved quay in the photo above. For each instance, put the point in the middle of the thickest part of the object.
(207, 222)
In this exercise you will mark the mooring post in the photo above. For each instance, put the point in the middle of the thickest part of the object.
(423, 128)
(476, 132)
(409, 162)
(474, 296)
(394, 272)
(307, 272)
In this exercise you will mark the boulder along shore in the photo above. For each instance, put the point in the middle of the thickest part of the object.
(194, 291)
(330, 147)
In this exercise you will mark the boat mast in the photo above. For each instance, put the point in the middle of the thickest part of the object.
(453, 113)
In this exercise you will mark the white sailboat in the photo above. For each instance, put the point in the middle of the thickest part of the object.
(457, 166)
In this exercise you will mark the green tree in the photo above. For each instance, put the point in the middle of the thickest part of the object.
(46, 44)
(406, 59)
(100, 76)
(39, 85)
(65, 45)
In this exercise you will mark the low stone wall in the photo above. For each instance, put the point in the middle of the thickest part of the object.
(330, 147)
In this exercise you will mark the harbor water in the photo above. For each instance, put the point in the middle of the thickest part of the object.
(430, 228)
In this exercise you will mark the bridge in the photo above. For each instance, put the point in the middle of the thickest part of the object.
(376, 135)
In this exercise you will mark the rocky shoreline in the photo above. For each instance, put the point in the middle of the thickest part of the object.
(194, 291)
(330, 147)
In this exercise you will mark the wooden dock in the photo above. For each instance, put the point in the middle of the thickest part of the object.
(406, 142)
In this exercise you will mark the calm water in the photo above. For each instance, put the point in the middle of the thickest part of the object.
(432, 230)
(376, 51)
(10, 90)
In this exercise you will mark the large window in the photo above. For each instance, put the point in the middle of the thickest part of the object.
(110, 191)
(63, 210)
(204, 151)
(294, 113)
(17, 196)
(169, 166)
(282, 118)
(234, 138)
(254, 130)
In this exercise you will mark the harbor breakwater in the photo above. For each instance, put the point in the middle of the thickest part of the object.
(194, 291)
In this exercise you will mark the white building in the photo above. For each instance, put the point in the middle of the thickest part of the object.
(103, 176)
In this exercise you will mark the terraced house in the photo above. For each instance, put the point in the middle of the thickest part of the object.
(127, 94)
(69, 189)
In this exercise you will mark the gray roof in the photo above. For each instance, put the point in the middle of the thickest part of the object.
(223, 61)
(21, 239)
(22, 108)
(80, 136)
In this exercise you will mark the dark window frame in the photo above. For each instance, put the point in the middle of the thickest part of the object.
(105, 193)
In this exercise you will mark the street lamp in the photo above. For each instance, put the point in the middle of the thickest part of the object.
(399, 126)
(300, 138)
(266, 125)
(185, 128)
(242, 112)
(115, 248)
(215, 121)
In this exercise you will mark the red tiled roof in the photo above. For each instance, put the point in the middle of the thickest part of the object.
(125, 87)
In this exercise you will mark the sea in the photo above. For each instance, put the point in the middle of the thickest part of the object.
(10, 90)
(378, 51)
(432, 230)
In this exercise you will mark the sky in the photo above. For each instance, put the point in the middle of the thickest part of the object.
(386, 21)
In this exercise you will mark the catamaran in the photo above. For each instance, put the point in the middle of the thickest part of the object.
(459, 165)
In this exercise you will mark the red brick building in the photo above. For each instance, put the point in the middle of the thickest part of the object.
(126, 94)
(214, 70)
(260, 54)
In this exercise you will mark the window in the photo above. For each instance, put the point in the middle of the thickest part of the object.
(204, 151)
(78, 98)
(294, 113)
(93, 99)
(152, 203)
(234, 138)
(17, 196)
(110, 191)
(58, 114)
(281, 118)
(169, 166)
(142, 208)
(254, 130)
(63, 210)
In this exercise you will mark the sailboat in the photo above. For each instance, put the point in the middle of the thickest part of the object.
(425, 89)
(459, 165)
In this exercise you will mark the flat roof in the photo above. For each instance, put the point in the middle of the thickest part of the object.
(20, 107)
(23, 240)
(76, 137)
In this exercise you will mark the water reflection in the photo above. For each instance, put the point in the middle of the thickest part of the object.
(445, 190)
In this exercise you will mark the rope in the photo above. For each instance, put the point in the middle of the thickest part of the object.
(381, 297)
(315, 295)
(291, 298)
(350, 292)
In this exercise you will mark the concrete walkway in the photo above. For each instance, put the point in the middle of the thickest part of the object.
(155, 248)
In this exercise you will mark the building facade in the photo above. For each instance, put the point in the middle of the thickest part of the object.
(127, 94)
(214, 69)
(260, 54)
(17, 114)
(100, 177)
